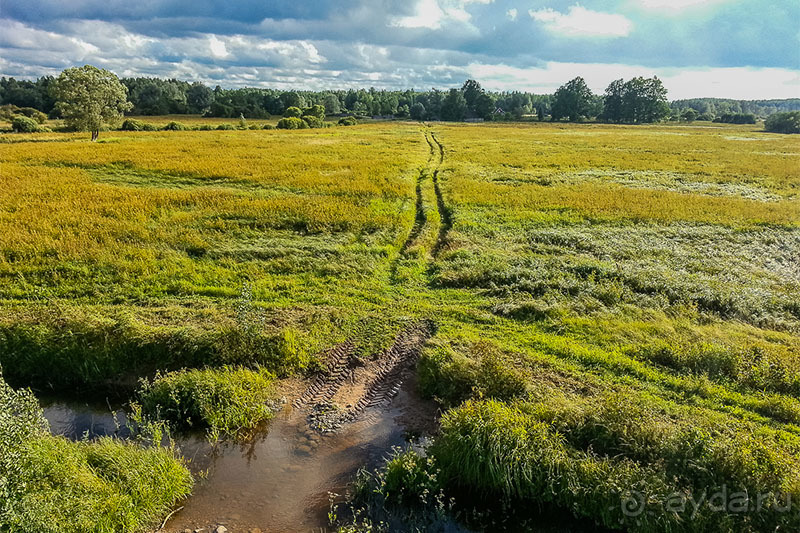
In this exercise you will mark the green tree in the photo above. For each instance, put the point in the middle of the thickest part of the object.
(484, 105)
(644, 101)
(418, 111)
(199, 98)
(88, 97)
(689, 115)
(573, 100)
(331, 103)
(454, 107)
(613, 101)
(292, 99)
(315, 111)
(472, 91)
(783, 122)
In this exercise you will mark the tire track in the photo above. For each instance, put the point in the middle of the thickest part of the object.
(328, 382)
(445, 213)
(379, 381)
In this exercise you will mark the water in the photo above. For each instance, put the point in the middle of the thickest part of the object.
(77, 419)
(281, 480)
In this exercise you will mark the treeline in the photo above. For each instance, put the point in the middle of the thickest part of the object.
(717, 108)
(638, 100)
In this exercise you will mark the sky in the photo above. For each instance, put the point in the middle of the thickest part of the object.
(743, 49)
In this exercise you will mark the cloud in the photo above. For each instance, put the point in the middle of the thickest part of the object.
(742, 83)
(582, 22)
(217, 47)
(432, 14)
(419, 44)
(676, 6)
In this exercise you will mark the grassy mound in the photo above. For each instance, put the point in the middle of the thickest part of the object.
(230, 401)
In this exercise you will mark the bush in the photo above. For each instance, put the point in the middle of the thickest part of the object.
(205, 127)
(174, 126)
(293, 112)
(230, 401)
(23, 124)
(315, 111)
(313, 122)
(226, 127)
(131, 124)
(348, 121)
(783, 122)
(268, 127)
(291, 123)
(736, 118)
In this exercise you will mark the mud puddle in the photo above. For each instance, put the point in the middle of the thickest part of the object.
(281, 482)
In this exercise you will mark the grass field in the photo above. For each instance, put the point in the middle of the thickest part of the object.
(618, 308)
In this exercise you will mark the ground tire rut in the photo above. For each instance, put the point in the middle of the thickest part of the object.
(327, 383)
(382, 383)
(445, 214)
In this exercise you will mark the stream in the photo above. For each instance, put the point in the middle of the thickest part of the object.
(281, 480)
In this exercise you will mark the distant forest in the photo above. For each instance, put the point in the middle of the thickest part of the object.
(637, 100)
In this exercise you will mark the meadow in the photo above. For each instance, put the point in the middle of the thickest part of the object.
(617, 308)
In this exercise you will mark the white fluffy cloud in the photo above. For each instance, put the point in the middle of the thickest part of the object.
(741, 83)
(581, 22)
(675, 6)
(432, 14)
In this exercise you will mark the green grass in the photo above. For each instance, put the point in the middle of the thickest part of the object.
(226, 402)
(582, 277)
(51, 484)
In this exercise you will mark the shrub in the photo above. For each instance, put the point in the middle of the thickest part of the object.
(131, 124)
(348, 121)
(174, 126)
(205, 127)
(226, 127)
(229, 401)
(737, 118)
(313, 122)
(293, 112)
(783, 122)
(315, 111)
(35, 114)
(268, 127)
(291, 123)
(23, 124)
(483, 370)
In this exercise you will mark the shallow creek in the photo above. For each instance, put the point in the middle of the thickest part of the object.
(281, 480)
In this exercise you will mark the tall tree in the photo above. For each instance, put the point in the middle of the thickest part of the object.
(472, 90)
(644, 100)
(573, 100)
(454, 106)
(613, 101)
(89, 97)
(199, 98)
